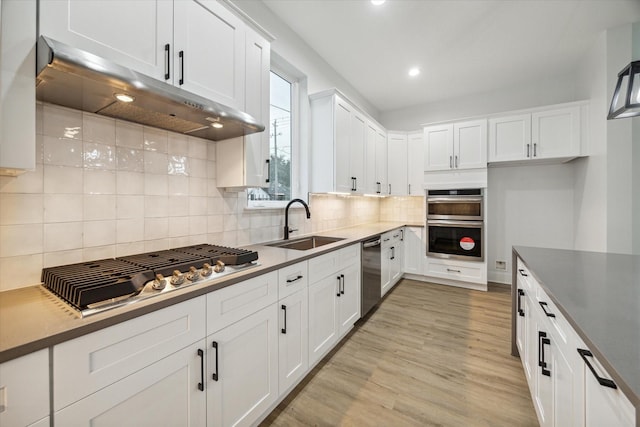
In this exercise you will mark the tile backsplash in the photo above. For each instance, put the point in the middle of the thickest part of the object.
(104, 188)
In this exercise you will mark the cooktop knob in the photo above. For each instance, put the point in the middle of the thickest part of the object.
(206, 270)
(193, 274)
(219, 267)
(177, 278)
(159, 283)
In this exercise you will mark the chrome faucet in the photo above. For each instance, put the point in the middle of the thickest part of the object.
(286, 216)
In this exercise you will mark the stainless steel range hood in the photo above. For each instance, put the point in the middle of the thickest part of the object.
(77, 79)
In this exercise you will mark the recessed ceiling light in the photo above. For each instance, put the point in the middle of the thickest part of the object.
(414, 71)
(377, 2)
(217, 125)
(124, 97)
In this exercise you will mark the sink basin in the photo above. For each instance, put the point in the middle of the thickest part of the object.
(305, 243)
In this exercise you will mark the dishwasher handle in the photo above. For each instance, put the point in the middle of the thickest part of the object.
(371, 243)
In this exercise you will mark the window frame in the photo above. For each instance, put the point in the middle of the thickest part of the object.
(298, 90)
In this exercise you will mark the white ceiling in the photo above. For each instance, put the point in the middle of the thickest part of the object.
(461, 46)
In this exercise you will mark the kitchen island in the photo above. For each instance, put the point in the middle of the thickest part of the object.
(599, 296)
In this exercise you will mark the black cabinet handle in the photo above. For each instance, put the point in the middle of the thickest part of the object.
(544, 306)
(535, 145)
(409, 189)
(338, 294)
(294, 280)
(167, 55)
(181, 55)
(379, 188)
(353, 183)
(402, 234)
(602, 381)
(284, 308)
(342, 280)
(268, 170)
(389, 188)
(520, 310)
(215, 374)
(542, 341)
(393, 252)
(201, 383)
(522, 273)
(528, 150)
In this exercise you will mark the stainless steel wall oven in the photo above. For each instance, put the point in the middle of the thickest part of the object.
(455, 224)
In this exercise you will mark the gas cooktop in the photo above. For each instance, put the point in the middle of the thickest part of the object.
(95, 286)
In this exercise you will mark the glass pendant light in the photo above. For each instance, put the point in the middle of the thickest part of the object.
(626, 97)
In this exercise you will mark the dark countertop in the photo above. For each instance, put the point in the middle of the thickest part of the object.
(599, 295)
(32, 319)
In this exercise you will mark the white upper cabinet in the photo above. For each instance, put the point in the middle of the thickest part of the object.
(376, 161)
(134, 34)
(552, 133)
(460, 145)
(340, 148)
(196, 45)
(209, 53)
(397, 163)
(381, 163)
(415, 164)
(17, 88)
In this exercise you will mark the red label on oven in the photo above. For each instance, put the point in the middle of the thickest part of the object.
(467, 243)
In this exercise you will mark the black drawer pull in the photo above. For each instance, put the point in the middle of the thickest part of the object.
(268, 170)
(522, 273)
(520, 310)
(181, 56)
(342, 280)
(284, 308)
(602, 381)
(339, 283)
(294, 280)
(542, 340)
(167, 70)
(201, 356)
(544, 306)
(215, 374)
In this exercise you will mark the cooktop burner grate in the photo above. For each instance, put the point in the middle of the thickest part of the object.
(85, 284)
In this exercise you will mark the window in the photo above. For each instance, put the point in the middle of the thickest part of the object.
(282, 143)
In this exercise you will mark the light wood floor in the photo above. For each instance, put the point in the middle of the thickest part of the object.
(430, 355)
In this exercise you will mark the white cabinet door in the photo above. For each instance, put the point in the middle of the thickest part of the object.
(357, 152)
(17, 88)
(414, 253)
(131, 33)
(470, 144)
(555, 133)
(242, 366)
(385, 269)
(293, 340)
(397, 172)
(164, 393)
(371, 162)
(438, 147)
(509, 138)
(209, 51)
(566, 391)
(343, 111)
(349, 299)
(257, 99)
(415, 164)
(323, 319)
(396, 262)
(543, 400)
(381, 163)
(24, 389)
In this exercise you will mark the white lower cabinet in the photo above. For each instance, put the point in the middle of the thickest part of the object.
(334, 299)
(24, 390)
(164, 393)
(414, 250)
(242, 369)
(564, 390)
(392, 266)
(293, 339)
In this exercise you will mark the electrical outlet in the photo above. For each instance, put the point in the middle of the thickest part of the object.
(501, 265)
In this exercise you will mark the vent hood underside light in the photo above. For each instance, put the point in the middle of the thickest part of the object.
(626, 97)
(77, 79)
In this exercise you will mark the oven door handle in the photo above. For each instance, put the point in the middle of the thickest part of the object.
(462, 199)
(448, 223)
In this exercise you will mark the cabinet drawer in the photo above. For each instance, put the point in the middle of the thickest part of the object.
(329, 264)
(94, 361)
(549, 312)
(453, 270)
(523, 275)
(230, 304)
(293, 278)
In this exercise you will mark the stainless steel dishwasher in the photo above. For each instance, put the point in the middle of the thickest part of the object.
(371, 282)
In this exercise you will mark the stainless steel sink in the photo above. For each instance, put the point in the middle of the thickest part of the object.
(305, 243)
